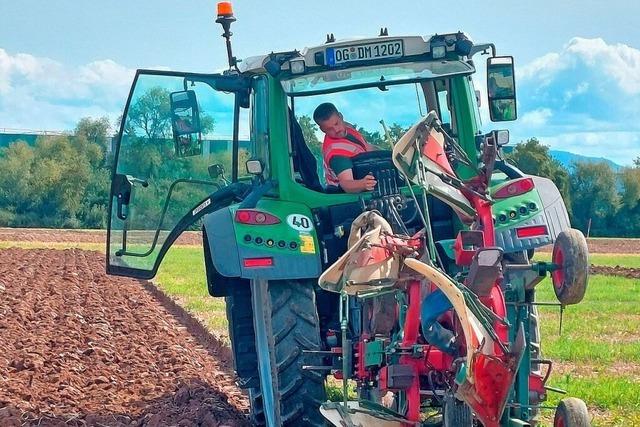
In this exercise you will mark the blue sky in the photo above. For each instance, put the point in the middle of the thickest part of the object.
(577, 63)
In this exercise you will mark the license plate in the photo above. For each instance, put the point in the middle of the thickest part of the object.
(364, 52)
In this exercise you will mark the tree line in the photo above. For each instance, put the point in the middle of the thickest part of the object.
(64, 181)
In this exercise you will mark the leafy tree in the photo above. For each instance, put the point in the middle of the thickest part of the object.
(593, 187)
(61, 181)
(16, 162)
(396, 132)
(533, 158)
(95, 131)
(627, 221)
(150, 115)
(373, 138)
(309, 129)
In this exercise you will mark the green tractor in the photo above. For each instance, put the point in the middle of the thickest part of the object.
(420, 294)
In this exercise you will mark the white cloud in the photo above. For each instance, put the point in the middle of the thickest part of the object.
(537, 117)
(584, 99)
(543, 69)
(619, 60)
(582, 87)
(43, 94)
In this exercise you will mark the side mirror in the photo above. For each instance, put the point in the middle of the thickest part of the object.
(254, 167)
(216, 171)
(185, 123)
(501, 89)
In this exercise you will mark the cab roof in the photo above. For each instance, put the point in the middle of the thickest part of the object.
(320, 57)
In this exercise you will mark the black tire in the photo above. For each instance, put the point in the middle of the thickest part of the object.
(296, 327)
(571, 412)
(571, 252)
(242, 335)
(456, 413)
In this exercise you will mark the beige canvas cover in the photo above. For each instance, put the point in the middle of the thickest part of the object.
(367, 265)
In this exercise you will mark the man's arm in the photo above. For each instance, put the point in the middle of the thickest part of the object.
(350, 185)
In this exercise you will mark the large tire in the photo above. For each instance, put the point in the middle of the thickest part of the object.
(456, 413)
(571, 253)
(295, 325)
(242, 335)
(571, 412)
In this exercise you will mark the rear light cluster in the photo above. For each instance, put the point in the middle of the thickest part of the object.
(257, 262)
(255, 217)
(515, 188)
(531, 231)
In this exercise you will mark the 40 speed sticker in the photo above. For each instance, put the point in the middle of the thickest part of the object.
(300, 222)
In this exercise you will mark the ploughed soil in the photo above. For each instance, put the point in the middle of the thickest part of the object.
(598, 246)
(47, 235)
(78, 347)
(628, 272)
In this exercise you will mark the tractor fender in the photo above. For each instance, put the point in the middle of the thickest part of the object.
(226, 250)
(555, 210)
(553, 214)
(221, 258)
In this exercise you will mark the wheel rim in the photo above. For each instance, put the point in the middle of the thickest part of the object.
(558, 275)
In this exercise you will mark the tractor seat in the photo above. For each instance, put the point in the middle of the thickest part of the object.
(304, 162)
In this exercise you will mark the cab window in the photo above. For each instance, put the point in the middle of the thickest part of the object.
(381, 114)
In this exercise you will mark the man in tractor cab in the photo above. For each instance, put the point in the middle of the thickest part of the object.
(341, 143)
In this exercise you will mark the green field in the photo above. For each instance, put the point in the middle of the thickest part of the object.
(597, 356)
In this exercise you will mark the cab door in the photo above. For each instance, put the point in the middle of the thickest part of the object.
(176, 151)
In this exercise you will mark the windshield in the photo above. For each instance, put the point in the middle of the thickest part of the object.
(337, 80)
(380, 116)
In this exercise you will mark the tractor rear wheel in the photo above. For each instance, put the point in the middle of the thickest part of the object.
(456, 413)
(241, 335)
(288, 310)
(571, 254)
(571, 412)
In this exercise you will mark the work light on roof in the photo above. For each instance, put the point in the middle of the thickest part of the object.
(438, 49)
(297, 66)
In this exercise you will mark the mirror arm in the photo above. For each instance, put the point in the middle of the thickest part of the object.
(483, 48)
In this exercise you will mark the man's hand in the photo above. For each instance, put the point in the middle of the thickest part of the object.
(368, 183)
(351, 185)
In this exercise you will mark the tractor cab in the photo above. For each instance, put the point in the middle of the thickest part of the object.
(179, 127)
(421, 290)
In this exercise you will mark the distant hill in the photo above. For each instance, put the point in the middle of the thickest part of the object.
(567, 159)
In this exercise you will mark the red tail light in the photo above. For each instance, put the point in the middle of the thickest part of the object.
(531, 231)
(515, 188)
(255, 217)
(257, 262)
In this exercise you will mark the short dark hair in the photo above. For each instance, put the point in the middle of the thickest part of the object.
(324, 111)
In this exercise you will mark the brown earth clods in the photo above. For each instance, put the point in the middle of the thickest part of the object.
(602, 246)
(50, 235)
(78, 347)
(628, 272)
